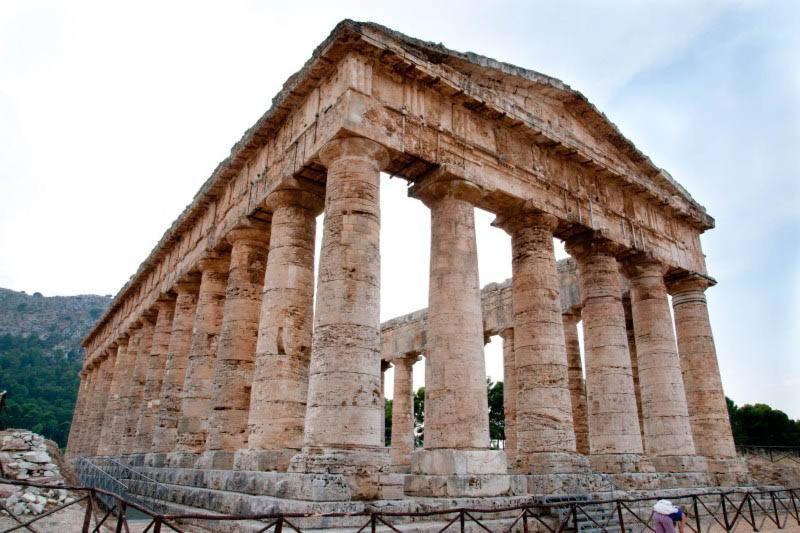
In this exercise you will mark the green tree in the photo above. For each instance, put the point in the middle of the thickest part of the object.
(761, 425)
(387, 418)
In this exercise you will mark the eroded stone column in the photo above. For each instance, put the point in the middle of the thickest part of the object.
(100, 399)
(119, 444)
(139, 380)
(577, 384)
(345, 408)
(198, 385)
(615, 440)
(708, 411)
(165, 310)
(509, 394)
(84, 428)
(545, 429)
(233, 367)
(108, 438)
(165, 439)
(280, 381)
(73, 444)
(667, 432)
(403, 414)
(456, 414)
(626, 305)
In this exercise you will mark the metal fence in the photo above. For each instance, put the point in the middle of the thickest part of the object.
(726, 511)
(773, 453)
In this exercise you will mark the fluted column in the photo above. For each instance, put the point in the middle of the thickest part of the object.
(118, 444)
(233, 367)
(83, 415)
(667, 432)
(100, 400)
(545, 429)
(344, 412)
(403, 413)
(577, 384)
(165, 439)
(456, 414)
(509, 394)
(708, 412)
(73, 447)
(165, 310)
(108, 438)
(198, 386)
(615, 440)
(139, 377)
(280, 381)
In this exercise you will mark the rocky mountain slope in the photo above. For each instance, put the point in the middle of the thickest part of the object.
(64, 320)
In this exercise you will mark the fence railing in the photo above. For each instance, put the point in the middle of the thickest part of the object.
(754, 510)
(773, 453)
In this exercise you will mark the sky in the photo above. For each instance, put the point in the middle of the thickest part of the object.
(112, 114)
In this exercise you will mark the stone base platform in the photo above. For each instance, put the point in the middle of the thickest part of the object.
(263, 460)
(728, 472)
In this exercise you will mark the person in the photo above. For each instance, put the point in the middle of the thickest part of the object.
(666, 515)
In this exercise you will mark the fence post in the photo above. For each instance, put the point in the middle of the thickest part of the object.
(372, 523)
(794, 506)
(525, 520)
(775, 509)
(574, 509)
(87, 518)
(725, 512)
(157, 524)
(121, 506)
(462, 521)
(696, 514)
(619, 515)
(279, 525)
(749, 497)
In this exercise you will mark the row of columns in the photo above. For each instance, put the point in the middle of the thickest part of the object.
(228, 372)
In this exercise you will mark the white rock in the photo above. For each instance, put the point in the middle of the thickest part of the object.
(36, 508)
(28, 497)
(19, 508)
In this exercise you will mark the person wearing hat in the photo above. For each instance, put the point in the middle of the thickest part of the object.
(663, 510)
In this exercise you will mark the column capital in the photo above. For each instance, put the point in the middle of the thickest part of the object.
(305, 198)
(135, 325)
(165, 302)
(439, 185)
(252, 232)
(188, 284)
(685, 282)
(572, 316)
(123, 339)
(642, 264)
(591, 243)
(354, 148)
(525, 217)
(215, 262)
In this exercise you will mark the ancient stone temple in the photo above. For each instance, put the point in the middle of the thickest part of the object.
(218, 358)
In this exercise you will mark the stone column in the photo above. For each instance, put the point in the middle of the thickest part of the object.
(100, 399)
(198, 385)
(73, 446)
(509, 394)
(403, 414)
(709, 420)
(233, 367)
(629, 329)
(107, 437)
(545, 429)
(667, 432)
(118, 444)
(280, 380)
(456, 413)
(577, 385)
(344, 412)
(165, 439)
(82, 422)
(165, 310)
(615, 440)
(139, 377)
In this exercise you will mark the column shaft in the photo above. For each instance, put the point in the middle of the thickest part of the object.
(151, 393)
(345, 408)
(97, 415)
(403, 413)
(198, 385)
(139, 380)
(280, 381)
(166, 433)
(117, 443)
(509, 394)
(113, 406)
(77, 413)
(83, 416)
(577, 384)
(233, 367)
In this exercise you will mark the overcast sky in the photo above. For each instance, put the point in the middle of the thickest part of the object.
(112, 114)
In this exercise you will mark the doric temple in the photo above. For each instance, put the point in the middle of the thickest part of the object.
(217, 356)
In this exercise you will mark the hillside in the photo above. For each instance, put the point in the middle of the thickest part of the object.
(40, 357)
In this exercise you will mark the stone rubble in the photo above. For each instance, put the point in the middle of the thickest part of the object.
(24, 456)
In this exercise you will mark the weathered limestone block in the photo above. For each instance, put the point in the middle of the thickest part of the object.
(509, 394)
(165, 310)
(545, 431)
(233, 366)
(403, 414)
(577, 384)
(113, 405)
(139, 380)
(345, 406)
(198, 385)
(615, 439)
(117, 446)
(709, 420)
(667, 432)
(165, 438)
(280, 381)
